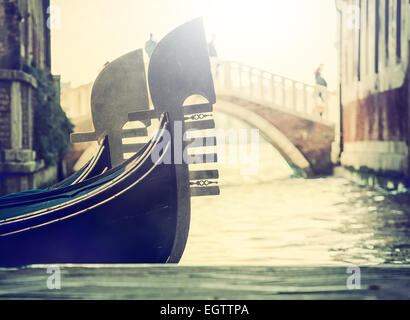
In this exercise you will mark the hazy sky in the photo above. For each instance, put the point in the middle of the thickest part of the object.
(287, 37)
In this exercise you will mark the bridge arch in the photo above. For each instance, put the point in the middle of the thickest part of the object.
(274, 136)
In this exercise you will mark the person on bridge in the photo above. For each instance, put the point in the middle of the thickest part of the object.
(150, 46)
(319, 79)
(321, 83)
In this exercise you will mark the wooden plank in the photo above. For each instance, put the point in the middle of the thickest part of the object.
(203, 175)
(136, 132)
(142, 115)
(201, 142)
(205, 191)
(83, 137)
(170, 282)
(132, 147)
(197, 108)
(200, 125)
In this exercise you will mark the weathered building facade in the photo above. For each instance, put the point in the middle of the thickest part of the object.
(76, 101)
(24, 40)
(374, 75)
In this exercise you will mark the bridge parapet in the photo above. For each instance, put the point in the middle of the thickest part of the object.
(275, 91)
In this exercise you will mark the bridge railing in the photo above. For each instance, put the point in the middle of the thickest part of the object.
(272, 90)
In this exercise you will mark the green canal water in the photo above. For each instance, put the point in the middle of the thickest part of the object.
(272, 218)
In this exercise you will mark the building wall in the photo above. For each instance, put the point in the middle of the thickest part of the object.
(375, 84)
(76, 102)
(5, 114)
(24, 40)
(24, 36)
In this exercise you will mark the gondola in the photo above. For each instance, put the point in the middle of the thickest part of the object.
(94, 170)
(99, 221)
(98, 164)
(128, 95)
(139, 211)
(120, 88)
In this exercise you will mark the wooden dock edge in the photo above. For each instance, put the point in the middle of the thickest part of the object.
(177, 282)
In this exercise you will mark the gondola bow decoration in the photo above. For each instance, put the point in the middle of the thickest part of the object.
(116, 211)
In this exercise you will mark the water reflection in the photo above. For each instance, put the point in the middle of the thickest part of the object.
(273, 219)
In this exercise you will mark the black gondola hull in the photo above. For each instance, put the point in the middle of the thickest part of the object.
(136, 227)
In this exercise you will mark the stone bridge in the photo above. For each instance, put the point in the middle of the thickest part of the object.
(286, 112)
(289, 114)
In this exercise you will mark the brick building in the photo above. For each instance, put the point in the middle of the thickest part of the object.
(24, 39)
(374, 76)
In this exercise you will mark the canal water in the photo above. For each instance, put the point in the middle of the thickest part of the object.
(274, 218)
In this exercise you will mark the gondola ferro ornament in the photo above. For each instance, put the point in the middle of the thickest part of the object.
(137, 211)
(120, 88)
